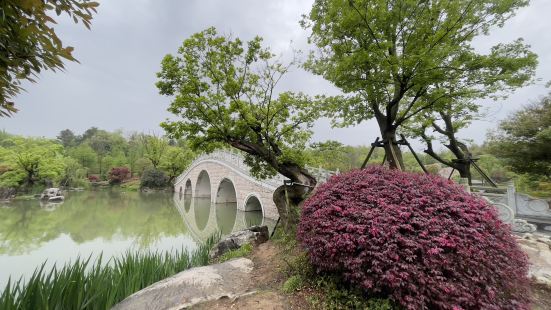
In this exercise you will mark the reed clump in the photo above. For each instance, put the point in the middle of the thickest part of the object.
(86, 284)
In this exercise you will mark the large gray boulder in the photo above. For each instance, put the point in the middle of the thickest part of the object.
(254, 235)
(193, 286)
(538, 248)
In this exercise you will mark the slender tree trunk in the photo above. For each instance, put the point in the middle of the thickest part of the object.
(392, 150)
(99, 162)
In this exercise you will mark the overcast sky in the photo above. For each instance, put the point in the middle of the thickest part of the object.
(113, 86)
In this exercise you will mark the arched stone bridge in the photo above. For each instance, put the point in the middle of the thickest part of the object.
(222, 178)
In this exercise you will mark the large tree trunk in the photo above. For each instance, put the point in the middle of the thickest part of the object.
(392, 150)
(463, 166)
(289, 198)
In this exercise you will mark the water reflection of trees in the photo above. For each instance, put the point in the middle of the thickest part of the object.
(86, 216)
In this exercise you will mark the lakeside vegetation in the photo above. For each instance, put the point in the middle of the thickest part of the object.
(29, 164)
(85, 284)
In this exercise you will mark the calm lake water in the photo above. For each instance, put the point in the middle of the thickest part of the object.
(110, 222)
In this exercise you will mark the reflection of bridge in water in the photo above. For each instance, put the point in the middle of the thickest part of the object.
(204, 218)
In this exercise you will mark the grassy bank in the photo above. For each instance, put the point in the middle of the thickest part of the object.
(98, 285)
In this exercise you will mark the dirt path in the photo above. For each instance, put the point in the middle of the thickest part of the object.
(264, 287)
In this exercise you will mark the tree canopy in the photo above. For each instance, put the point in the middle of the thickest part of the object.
(396, 59)
(523, 140)
(224, 94)
(29, 43)
(27, 161)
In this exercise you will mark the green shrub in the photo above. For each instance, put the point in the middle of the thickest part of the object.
(294, 283)
(154, 179)
(335, 294)
(241, 252)
(536, 186)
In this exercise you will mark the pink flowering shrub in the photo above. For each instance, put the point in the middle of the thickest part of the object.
(118, 174)
(418, 239)
(93, 178)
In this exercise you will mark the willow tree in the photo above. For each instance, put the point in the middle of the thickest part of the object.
(224, 93)
(391, 56)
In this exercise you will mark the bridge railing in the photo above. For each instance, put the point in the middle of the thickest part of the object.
(237, 161)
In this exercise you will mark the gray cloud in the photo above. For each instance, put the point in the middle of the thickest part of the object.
(113, 86)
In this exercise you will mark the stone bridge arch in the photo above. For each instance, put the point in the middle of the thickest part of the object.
(222, 177)
(212, 178)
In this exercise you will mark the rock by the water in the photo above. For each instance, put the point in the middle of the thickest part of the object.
(50, 193)
(7, 193)
(193, 286)
(254, 235)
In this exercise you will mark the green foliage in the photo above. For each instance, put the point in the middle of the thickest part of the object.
(244, 250)
(154, 148)
(493, 167)
(223, 90)
(98, 285)
(397, 59)
(67, 138)
(293, 284)
(141, 165)
(85, 155)
(30, 44)
(523, 140)
(325, 291)
(25, 162)
(28, 161)
(335, 294)
(74, 174)
(154, 179)
(102, 146)
(333, 155)
(534, 185)
(176, 160)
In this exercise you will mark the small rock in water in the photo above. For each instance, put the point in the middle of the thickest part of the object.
(255, 235)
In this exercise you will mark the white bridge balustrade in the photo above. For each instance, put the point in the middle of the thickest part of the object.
(513, 206)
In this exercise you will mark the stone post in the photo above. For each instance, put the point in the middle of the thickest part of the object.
(511, 196)
(465, 183)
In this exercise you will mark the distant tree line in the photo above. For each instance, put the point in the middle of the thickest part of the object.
(95, 155)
